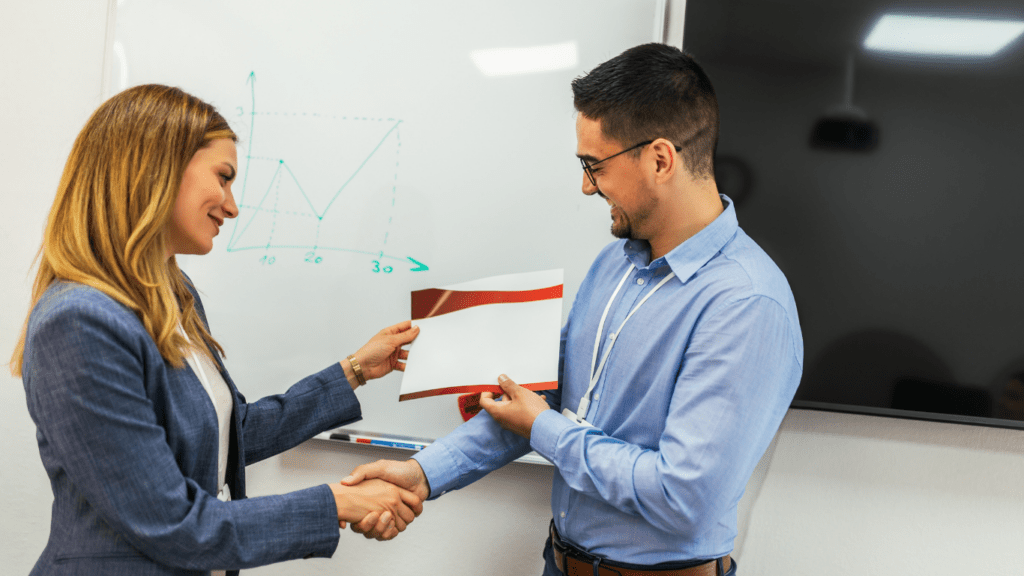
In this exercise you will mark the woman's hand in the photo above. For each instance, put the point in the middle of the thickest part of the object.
(383, 353)
(395, 507)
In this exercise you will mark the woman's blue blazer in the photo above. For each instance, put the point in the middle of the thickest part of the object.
(130, 446)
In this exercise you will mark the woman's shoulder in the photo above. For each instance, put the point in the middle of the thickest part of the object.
(72, 303)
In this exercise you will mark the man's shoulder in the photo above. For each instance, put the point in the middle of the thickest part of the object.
(745, 270)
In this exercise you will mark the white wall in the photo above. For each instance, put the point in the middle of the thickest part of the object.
(50, 62)
(837, 494)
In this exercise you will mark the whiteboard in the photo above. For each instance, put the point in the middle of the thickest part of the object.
(377, 158)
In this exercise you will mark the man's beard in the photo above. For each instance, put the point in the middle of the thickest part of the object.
(621, 226)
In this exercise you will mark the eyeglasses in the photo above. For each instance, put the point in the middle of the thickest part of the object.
(588, 168)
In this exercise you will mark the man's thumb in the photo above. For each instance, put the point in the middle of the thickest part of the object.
(507, 385)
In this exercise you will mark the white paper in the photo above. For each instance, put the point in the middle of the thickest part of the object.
(460, 351)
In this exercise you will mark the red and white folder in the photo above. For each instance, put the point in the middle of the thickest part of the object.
(471, 333)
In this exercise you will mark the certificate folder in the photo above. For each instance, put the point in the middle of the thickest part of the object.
(471, 333)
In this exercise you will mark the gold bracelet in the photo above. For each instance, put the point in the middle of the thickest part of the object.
(355, 368)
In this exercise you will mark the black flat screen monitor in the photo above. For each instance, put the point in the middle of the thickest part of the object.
(884, 176)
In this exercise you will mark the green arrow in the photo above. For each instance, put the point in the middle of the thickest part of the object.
(420, 266)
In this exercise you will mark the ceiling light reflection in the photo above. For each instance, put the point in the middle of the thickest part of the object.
(940, 36)
(507, 61)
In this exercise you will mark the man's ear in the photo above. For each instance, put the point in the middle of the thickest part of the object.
(667, 163)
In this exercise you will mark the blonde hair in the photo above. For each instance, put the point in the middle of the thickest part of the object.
(115, 197)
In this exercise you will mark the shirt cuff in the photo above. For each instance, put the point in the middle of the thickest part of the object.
(440, 467)
(548, 427)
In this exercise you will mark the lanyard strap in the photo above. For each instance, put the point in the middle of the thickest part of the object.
(600, 325)
(595, 371)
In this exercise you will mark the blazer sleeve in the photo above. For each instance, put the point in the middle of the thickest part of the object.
(277, 423)
(86, 390)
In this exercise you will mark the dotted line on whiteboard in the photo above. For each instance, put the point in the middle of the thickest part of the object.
(330, 116)
(277, 196)
(285, 212)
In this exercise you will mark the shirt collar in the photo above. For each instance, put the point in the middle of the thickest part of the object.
(695, 252)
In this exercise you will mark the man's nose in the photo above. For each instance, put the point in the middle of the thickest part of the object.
(589, 188)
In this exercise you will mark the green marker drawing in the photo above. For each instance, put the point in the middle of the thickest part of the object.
(258, 225)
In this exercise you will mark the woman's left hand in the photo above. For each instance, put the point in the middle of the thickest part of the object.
(383, 353)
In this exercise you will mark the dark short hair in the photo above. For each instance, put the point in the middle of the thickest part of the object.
(654, 91)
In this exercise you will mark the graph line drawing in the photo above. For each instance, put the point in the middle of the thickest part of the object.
(333, 188)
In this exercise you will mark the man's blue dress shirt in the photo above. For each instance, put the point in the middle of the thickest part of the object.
(695, 388)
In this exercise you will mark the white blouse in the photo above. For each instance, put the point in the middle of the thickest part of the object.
(220, 395)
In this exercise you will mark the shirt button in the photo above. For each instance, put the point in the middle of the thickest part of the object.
(561, 514)
(597, 396)
(640, 281)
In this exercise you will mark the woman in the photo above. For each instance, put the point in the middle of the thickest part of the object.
(142, 432)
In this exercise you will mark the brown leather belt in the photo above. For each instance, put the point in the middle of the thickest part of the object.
(570, 560)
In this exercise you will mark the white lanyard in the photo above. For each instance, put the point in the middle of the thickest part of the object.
(596, 369)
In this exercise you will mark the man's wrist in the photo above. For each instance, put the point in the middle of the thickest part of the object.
(547, 427)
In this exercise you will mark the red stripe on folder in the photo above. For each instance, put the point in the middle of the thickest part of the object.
(475, 388)
(435, 301)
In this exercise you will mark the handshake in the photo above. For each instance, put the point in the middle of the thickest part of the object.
(381, 498)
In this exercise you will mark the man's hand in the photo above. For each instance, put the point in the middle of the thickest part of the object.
(408, 475)
(517, 409)
(386, 509)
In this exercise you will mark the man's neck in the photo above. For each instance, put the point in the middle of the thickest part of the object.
(689, 213)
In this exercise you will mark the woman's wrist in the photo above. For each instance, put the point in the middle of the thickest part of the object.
(350, 373)
(356, 368)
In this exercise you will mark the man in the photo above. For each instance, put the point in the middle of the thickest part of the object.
(698, 348)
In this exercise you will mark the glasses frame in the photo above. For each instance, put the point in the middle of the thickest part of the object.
(587, 168)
